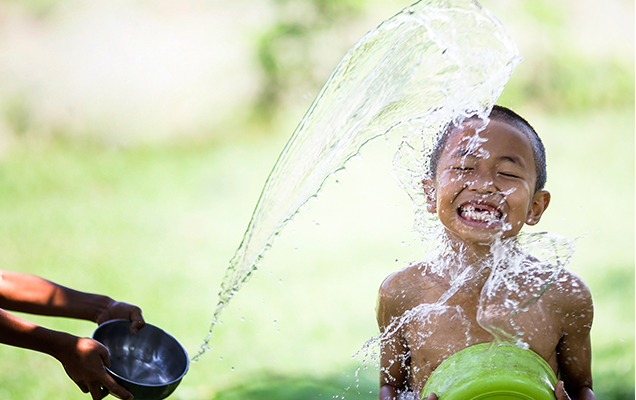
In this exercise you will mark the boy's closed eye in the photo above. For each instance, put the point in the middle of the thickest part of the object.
(510, 168)
(510, 174)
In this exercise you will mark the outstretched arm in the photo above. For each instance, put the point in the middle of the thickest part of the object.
(34, 295)
(83, 358)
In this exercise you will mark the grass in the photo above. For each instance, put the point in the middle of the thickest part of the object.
(157, 225)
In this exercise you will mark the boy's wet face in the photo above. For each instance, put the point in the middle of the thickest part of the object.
(485, 183)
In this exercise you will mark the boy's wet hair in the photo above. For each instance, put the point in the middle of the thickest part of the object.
(513, 119)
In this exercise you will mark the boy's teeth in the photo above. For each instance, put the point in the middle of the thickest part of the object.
(479, 214)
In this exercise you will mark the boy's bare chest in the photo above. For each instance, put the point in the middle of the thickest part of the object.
(437, 331)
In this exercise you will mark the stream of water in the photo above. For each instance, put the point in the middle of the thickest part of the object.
(435, 61)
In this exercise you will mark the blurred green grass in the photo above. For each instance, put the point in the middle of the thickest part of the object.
(157, 225)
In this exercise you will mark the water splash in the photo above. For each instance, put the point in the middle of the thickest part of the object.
(522, 270)
(518, 272)
(435, 60)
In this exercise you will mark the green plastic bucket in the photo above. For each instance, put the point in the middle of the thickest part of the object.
(493, 372)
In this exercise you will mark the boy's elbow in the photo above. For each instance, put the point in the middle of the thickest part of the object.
(583, 393)
(388, 392)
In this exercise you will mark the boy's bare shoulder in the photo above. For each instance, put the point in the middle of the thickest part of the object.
(570, 294)
(414, 276)
(570, 285)
(408, 288)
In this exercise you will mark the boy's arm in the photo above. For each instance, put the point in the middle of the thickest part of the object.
(574, 349)
(34, 295)
(394, 354)
(393, 368)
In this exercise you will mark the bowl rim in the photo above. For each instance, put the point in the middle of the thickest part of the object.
(149, 385)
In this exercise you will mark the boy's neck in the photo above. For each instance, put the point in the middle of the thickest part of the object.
(471, 253)
(468, 265)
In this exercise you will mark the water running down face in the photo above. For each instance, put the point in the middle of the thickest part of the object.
(484, 186)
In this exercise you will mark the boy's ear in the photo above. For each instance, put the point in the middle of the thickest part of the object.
(540, 202)
(429, 191)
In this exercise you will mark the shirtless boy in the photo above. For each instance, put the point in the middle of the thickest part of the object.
(484, 186)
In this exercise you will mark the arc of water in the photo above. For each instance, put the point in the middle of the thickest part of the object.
(436, 59)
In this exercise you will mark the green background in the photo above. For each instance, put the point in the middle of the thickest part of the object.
(133, 172)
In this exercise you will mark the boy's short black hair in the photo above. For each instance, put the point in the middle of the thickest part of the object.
(513, 119)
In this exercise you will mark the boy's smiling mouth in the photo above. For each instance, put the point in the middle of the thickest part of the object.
(480, 213)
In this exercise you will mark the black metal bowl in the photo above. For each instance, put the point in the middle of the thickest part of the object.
(149, 364)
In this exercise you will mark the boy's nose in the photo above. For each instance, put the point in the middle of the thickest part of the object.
(482, 183)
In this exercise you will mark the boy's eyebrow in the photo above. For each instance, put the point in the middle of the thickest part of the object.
(513, 159)
(464, 152)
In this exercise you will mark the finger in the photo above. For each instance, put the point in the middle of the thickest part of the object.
(136, 325)
(106, 360)
(104, 316)
(101, 319)
(116, 390)
(121, 393)
(96, 391)
(559, 391)
(104, 354)
(137, 321)
(433, 396)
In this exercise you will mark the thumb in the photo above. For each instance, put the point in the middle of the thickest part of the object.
(105, 356)
(559, 391)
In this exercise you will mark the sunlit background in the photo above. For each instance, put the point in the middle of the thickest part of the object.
(135, 137)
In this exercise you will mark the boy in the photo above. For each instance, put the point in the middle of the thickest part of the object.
(83, 358)
(484, 185)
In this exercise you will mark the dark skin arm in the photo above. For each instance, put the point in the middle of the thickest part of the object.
(394, 364)
(83, 358)
(394, 351)
(574, 349)
(393, 369)
(576, 375)
(393, 373)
